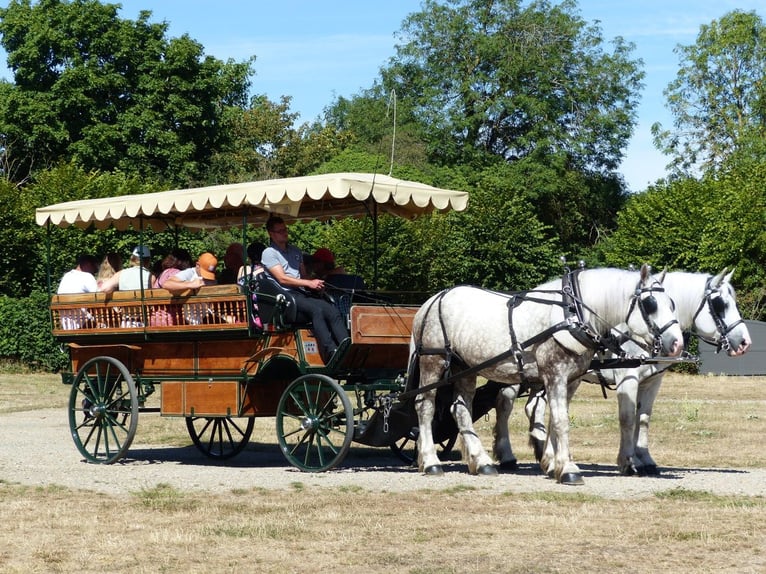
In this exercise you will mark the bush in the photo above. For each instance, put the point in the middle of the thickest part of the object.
(25, 333)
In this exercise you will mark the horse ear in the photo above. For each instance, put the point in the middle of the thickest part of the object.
(727, 279)
(718, 279)
(661, 276)
(645, 272)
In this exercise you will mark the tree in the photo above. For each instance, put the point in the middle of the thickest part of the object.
(719, 95)
(111, 93)
(516, 82)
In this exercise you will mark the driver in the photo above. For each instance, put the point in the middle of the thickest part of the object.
(285, 263)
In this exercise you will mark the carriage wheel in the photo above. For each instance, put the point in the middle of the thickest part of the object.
(103, 410)
(219, 437)
(315, 423)
(406, 448)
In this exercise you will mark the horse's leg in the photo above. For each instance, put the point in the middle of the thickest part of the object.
(535, 411)
(627, 399)
(431, 367)
(502, 444)
(479, 462)
(565, 470)
(647, 393)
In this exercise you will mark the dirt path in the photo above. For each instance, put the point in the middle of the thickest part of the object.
(37, 450)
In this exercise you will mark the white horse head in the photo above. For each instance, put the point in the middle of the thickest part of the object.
(707, 305)
(640, 303)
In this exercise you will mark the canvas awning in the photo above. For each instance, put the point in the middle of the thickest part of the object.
(297, 198)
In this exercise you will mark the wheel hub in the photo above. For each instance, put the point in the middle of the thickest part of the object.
(309, 423)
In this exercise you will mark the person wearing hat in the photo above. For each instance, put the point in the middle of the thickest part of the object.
(203, 273)
(324, 263)
(136, 276)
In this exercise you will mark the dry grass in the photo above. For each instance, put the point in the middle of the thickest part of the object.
(698, 421)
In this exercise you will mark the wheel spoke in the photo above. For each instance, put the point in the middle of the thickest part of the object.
(219, 437)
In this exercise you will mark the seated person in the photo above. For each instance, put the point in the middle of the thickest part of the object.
(233, 260)
(251, 272)
(175, 262)
(203, 273)
(79, 280)
(324, 267)
(136, 276)
(285, 263)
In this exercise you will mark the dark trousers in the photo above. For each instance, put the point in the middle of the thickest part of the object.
(329, 325)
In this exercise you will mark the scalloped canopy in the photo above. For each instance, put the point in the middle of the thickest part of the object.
(295, 199)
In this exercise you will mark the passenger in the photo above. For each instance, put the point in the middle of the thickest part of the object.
(335, 276)
(177, 260)
(324, 264)
(285, 263)
(136, 276)
(249, 273)
(173, 263)
(111, 264)
(203, 273)
(80, 279)
(233, 260)
(255, 268)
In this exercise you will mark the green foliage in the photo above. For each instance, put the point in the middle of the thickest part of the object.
(700, 225)
(111, 93)
(719, 95)
(25, 333)
(516, 81)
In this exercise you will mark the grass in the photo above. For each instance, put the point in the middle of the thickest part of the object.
(698, 422)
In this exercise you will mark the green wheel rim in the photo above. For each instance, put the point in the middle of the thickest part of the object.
(103, 410)
(315, 423)
(219, 437)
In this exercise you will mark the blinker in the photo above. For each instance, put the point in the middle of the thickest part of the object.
(650, 304)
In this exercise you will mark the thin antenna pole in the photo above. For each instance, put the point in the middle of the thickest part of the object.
(392, 98)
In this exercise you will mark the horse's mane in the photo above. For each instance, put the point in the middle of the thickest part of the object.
(608, 291)
(687, 290)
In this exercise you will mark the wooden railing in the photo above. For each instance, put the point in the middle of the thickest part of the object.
(213, 308)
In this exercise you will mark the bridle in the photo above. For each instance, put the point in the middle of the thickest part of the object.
(716, 305)
(647, 306)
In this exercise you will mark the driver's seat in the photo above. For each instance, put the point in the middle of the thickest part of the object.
(276, 304)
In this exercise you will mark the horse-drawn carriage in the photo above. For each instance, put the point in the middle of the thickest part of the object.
(220, 371)
(405, 371)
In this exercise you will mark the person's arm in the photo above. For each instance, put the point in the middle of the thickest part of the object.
(278, 272)
(173, 283)
(110, 285)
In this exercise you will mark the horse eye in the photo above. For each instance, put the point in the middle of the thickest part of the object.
(650, 304)
(719, 305)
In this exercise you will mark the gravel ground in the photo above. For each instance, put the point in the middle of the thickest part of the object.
(38, 450)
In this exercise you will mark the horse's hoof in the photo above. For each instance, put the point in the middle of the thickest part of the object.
(433, 470)
(487, 470)
(509, 465)
(571, 479)
(651, 470)
(628, 470)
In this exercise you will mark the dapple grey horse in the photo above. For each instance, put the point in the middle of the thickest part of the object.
(547, 335)
(706, 306)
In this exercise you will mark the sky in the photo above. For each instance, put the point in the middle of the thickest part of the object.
(315, 51)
